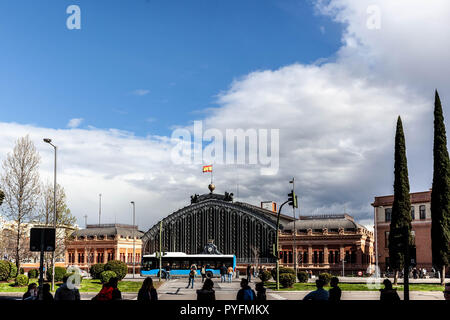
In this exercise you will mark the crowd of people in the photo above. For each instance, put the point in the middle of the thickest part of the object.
(147, 292)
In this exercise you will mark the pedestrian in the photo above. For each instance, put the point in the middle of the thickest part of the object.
(191, 278)
(424, 272)
(260, 291)
(64, 293)
(223, 273)
(31, 293)
(147, 291)
(261, 271)
(230, 274)
(207, 292)
(414, 273)
(335, 292)
(388, 294)
(167, 269)
(109, 291)
(447, 291)
(46, 295)
(203, 273)
(318, 295)
(249, 273)
(245, 293)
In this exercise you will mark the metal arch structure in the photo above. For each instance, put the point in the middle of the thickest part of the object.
(235, 228)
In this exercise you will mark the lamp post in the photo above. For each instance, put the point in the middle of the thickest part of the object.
(295, 231)
(49, 141)
(134, 235)
(377, 270)
(277, 248)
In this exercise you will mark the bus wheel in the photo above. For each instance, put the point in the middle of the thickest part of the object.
(209, 274)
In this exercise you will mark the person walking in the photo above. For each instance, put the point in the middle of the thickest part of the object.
(335, 292)
(223, 273)
(191, 278)
(388, 294)
(249, 273)
(31, 293)
(109, 291)
(318, 295)
(207, 292)
(245, 293)
(260, 291)
(167, 269)
(203, 273)
(64, 293)
(147, 291)
(230, 274)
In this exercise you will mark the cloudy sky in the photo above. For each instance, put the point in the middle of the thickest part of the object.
(332, 76)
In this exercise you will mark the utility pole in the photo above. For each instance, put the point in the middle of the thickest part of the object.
(160, 250)
(277, 241)
(134, 235)
(295, 232)
(99, 207)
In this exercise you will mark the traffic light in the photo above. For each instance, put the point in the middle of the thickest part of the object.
(292, 198)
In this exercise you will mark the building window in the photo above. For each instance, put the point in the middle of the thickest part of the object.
(386, 239)
(422, 212)
(387, 214)
(412, 213)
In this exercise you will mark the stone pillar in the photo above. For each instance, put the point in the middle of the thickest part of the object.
(66, 258)
(76, 257)
(126, 255)
(342, 253)
(95, 256)
(86, 256)
(325, 254)
(310, 255)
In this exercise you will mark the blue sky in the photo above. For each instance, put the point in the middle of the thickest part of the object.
(180, 54)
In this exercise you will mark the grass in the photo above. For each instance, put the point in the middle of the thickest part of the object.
(87, 285)
(355, 287)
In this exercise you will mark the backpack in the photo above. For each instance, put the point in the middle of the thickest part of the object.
(105, 294)
(248, 295)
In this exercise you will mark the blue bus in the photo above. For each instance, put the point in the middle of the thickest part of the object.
(180, 263)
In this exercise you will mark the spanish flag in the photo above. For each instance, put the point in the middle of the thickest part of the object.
(207, 168)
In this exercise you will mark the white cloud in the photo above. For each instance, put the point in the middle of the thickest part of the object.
(141, 92)
(74, 123)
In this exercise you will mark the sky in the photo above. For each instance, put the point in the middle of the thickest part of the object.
(332, 76)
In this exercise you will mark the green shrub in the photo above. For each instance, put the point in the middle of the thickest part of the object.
(96, 270)
(282, 270)
(302, 276)
(21, 280)
(119, 267)
(59, 273)
(33, 273)
(287, 280)
(326, 277)
(12, 270)
(4, 270)
(265, 276)
(106, 275)
(21, 271)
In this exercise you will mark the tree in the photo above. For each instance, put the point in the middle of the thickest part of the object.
(65, 221)
(401, 218)
(20, 184)
(440, 193)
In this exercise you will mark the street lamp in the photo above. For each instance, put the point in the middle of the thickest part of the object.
(134, 235)
(295, 230)
(49, 141)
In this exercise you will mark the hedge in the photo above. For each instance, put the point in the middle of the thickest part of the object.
(4, 270)
(326, 277)
(302, 276)
(105, 276)
(21, 271)
(119, 267)
(265, 276)
(287, 280)
(12, 270)
(21, 280)
(96, 270)
(33, 273)
(59, 273)
(282, 270)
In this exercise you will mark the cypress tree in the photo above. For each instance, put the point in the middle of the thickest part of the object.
(440, 193)
(401, 208)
